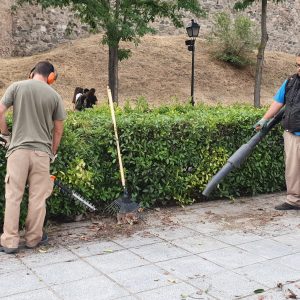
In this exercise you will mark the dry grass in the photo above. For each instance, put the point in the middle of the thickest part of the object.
(159, 69)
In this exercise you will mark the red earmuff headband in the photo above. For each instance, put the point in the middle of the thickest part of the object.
(50, 79)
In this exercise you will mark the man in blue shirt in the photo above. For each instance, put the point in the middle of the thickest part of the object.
(289, 95)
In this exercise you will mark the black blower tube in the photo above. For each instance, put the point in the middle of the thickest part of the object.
(239, 157)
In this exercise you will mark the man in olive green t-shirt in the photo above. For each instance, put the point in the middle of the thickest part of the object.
(38, 115)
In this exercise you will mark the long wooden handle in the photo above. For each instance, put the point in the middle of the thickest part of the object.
(111, 105)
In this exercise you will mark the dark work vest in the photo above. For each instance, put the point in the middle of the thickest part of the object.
(291, 118)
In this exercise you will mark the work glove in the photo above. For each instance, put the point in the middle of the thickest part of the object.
(5, 140)
(52, 160)
(262, 123)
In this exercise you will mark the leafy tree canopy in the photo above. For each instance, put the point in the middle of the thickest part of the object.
(123, 20)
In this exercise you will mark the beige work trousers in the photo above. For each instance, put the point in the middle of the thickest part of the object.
(292, 167)
(26, 167)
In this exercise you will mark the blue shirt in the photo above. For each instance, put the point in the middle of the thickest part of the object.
(279, 97)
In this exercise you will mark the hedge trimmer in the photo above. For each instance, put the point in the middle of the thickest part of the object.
(62, 188)
(71, 194)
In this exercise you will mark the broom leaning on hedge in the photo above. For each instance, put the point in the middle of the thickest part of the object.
(123, 204)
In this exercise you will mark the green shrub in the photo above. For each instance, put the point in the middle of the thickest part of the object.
(169, 155)
(233, 40)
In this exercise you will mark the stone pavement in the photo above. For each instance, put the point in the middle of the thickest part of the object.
(211, 250)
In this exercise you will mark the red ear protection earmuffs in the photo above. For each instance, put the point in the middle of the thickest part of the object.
(50, 79)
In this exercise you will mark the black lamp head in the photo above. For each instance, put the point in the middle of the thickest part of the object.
(193, 29)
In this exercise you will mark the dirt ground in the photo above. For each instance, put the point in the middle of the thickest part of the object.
(250, 214)
(159, 70)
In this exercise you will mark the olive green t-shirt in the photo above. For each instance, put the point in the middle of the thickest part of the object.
(35, 106)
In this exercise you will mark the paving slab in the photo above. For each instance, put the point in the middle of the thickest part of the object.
(137, 240)
(144, 278)
(267, 248)
(159, 252)
(270, 273)
(217, 250)
(292, 261)
(292, 240)
(117, 261)
(227, 285)
(281, 293)
(65, 272)
(41, 294)
(177, 291)
(94, 248)
(235, 237)
(231, 257)
(19, 281)
(86, 289)
(199, 243)
(170, 233)
(46, 256)
(10, 264)
(190, 267)
(128, 298)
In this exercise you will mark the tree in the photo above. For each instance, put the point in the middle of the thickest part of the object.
(241, 5)
(123, 20)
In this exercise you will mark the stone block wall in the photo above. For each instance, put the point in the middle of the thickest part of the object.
(35, 30)
(30, 30)
(283, 21)
(6, 46)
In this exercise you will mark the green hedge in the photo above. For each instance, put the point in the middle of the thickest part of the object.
(169, 154)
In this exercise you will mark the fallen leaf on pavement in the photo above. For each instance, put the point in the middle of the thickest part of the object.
(172, 280)
(43, 250)
(280, 285)
(290, 294)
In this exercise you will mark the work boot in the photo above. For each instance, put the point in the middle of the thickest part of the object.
(43, 242)
(8, 250)
(287, 206)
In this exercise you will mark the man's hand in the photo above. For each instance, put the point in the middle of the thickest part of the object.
(5, 140)
(52, 160)
(262, 123)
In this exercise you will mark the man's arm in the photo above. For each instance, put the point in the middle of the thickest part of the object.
(57, 135)
(3, 125)
(273, 110)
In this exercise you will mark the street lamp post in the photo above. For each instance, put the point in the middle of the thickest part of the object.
(193, 31)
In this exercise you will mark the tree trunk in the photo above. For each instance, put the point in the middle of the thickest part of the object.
(113, 80)
(261, 53)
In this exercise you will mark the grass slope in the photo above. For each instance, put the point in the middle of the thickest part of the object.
(159, 69)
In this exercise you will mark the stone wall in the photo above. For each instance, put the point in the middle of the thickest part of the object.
(35, 30)
(283, 22)
(30, 29)
(6, 46)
